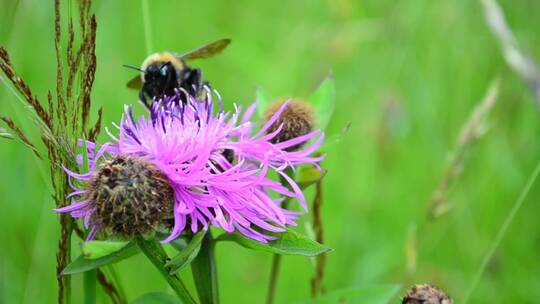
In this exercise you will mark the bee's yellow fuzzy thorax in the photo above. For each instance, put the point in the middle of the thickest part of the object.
(162, 57)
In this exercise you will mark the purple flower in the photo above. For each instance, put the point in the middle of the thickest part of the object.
(218, 165)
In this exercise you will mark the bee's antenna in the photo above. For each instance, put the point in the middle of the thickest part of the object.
(132, 67)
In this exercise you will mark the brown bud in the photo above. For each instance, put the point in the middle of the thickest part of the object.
(297, 119)
(426, 294)
(131, 196)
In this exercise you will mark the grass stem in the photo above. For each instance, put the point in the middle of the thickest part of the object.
(502, 232)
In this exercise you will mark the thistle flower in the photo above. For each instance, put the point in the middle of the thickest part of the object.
(126, 195)
(297, 119)
(217, 165)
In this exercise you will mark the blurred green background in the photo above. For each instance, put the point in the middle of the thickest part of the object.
(408, 74)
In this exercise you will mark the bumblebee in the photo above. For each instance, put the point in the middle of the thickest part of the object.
(162, 73)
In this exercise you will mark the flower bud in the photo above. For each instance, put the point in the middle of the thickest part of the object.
(426, 294)
(130, 196)
(297, 119)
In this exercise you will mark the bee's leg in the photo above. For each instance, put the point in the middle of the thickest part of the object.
(192, 81)
(203, 90)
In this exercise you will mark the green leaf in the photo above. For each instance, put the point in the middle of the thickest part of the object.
(204, 272)
(378, 294)
(324, 101)
(186, 256)
(307, 176)
(81, 264)
(289, 243)
(263, 101)
(179, 243)
(97, 249)
(334, 139)
(156, 298)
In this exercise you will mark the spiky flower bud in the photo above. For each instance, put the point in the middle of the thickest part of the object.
(426, 294)
(129, 196)
(297, 119)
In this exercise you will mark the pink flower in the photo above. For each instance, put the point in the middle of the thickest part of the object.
(218, 166)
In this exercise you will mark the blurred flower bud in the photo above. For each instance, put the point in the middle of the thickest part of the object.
(297, 119)
(426, 294)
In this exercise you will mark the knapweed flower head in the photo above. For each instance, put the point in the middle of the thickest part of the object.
(296, 119)
(217, 163)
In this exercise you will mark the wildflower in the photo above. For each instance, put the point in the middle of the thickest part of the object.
(217, 165)
(126, 195)
(297, 119)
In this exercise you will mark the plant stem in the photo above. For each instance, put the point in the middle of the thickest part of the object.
(276, 261)
(63, 258)
(274, 274)
(317, 281)
(155, 253)
(89, 282)
(204, 272)
(502, 232)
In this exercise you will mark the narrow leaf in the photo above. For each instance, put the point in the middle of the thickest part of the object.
(378, 294)
(20, 134)
(186, 256)
(97, 249)
(156, 298)
(324, 101)
(289, 243)
(81, 264)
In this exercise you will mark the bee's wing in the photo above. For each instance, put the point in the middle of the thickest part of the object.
(135, 83)
(207, 50)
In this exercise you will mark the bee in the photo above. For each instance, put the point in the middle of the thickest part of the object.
(162, 73)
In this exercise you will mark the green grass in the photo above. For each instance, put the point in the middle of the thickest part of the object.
(423, 63)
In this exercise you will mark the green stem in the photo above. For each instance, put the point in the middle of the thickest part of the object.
(155, 253)
(502, 232)
(276, 261)
(276, 264)
(89, 282)
(204, 272)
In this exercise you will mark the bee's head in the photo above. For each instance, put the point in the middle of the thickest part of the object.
(160, 78)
